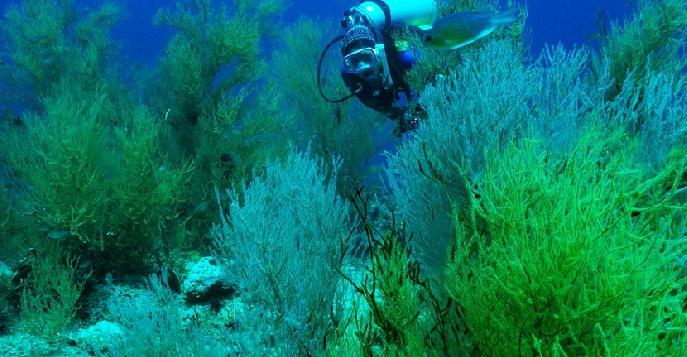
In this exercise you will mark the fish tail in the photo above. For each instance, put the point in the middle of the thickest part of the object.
(505, 17)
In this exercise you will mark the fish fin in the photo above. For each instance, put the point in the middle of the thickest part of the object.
(505, 17)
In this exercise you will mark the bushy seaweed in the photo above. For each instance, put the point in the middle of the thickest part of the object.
(94, 187)
(392, 308)
(649, 41)
(217, 110)
(50, 293)
(48, 42)
(575, 254)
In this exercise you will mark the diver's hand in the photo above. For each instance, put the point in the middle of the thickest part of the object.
(408, 121)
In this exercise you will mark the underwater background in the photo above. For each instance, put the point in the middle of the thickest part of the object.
(174, 184)
(568, 22)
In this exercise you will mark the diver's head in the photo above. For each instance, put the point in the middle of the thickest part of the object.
(358, 49)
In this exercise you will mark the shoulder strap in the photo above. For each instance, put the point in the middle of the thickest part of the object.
(395, 69)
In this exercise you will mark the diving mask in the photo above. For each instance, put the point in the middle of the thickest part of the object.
(360, 60)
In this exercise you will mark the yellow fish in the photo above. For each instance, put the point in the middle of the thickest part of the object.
(462, 28)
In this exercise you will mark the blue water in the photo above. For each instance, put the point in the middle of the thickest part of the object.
(569, 22)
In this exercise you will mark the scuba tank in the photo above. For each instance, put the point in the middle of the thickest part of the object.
(392, 13)
(381, 16)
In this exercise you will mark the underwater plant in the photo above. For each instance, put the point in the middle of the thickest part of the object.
(391, 308)
(650, 41)
(218, 110)
(48, 42)
(280, 243)
(574, 254)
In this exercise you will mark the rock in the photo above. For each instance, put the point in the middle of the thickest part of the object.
(25, 345)
(5, 271)
(96, 337)
(205, 282)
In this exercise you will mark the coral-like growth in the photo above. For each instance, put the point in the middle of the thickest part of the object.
(153, 324)
(281, 245)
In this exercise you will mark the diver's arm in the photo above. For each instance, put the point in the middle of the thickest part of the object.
(378, 100)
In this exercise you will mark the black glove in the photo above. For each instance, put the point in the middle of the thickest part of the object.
(406, 122)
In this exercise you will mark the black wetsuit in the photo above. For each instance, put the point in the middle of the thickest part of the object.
(370, 90)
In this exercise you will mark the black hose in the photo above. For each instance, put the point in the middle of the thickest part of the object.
(319, 73)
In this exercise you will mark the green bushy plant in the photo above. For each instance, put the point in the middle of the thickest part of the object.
(492, 98)
(64, 157)
(15, 224)
(99, 174)
(52, 41)
(217, 110)
(51, 292)
(220, 110)
(84, 157)
(148, 192)
(95, 180)
(650, 41)
(393, 310)
(487, 99)
(575, 253)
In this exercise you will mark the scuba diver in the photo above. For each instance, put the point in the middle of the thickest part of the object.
(374, 65)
